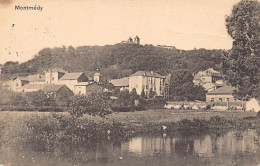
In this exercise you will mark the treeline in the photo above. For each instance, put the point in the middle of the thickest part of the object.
(118, 60)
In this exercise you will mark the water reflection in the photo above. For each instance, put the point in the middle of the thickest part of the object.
(179, 148)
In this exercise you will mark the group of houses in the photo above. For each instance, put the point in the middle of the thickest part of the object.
(77, 83)
(59, 81)
(144, 82)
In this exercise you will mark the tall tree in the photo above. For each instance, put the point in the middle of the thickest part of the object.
(242, 62)
(182, 87)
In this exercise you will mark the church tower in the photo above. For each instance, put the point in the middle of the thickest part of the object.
(97, 76)
(137, 40)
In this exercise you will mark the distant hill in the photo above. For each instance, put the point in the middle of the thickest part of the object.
(117, 60)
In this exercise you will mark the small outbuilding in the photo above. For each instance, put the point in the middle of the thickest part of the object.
(253, 105)
(58, 90)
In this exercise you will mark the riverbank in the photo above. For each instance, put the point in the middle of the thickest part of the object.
(50, 129)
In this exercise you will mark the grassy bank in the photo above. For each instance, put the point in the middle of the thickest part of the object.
(158, 116)
(51, 129)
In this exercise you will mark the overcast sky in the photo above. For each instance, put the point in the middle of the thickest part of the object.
(185, 24)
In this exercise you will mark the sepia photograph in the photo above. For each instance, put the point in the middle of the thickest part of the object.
(130, 83)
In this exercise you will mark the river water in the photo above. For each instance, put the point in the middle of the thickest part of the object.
(209, 148)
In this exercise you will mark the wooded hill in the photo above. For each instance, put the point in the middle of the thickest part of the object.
(117, 60)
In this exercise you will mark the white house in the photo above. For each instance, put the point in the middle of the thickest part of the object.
(147, 81)
(72, 79)
(208, 76)
(253, 105)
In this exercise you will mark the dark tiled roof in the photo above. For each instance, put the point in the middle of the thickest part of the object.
(120, 82)
(148, 74)
(225, 90)
(71, 76)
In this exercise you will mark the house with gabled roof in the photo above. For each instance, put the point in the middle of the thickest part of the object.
(57, 90)
(147, 81)
(86, 88)
(72, 79)
(223, 94)
(36, 79)
(207, 76)
(18, 82)
(121, 83)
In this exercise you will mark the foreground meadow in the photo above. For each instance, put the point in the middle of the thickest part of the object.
(158, 116)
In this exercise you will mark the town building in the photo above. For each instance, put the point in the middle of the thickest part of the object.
(18, 82)
(57, 90)
(72, 79)
(207, 76)
(223, 94)
(121, 84)
(146, 82)
(53, 75)
(36, 79)
(209, 79)
(97, 76)
(86, 88)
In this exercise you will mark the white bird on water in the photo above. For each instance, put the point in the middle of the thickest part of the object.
(164, 127)
(120, 157)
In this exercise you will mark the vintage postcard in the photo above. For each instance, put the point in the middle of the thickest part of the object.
(129, 82)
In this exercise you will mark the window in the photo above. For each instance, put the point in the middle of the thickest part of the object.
(220, 99)
(227, 99)
(16, 84)
(212, 100)
(52, 78)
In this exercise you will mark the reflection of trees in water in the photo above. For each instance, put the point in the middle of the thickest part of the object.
(202, 146)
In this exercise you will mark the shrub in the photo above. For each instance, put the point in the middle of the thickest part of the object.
(97, 103)
(208, 107)
(122, 109)
(139, 108)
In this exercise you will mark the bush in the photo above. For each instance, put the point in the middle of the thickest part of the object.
(139, 108)
(208, 107)
(122, 109)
